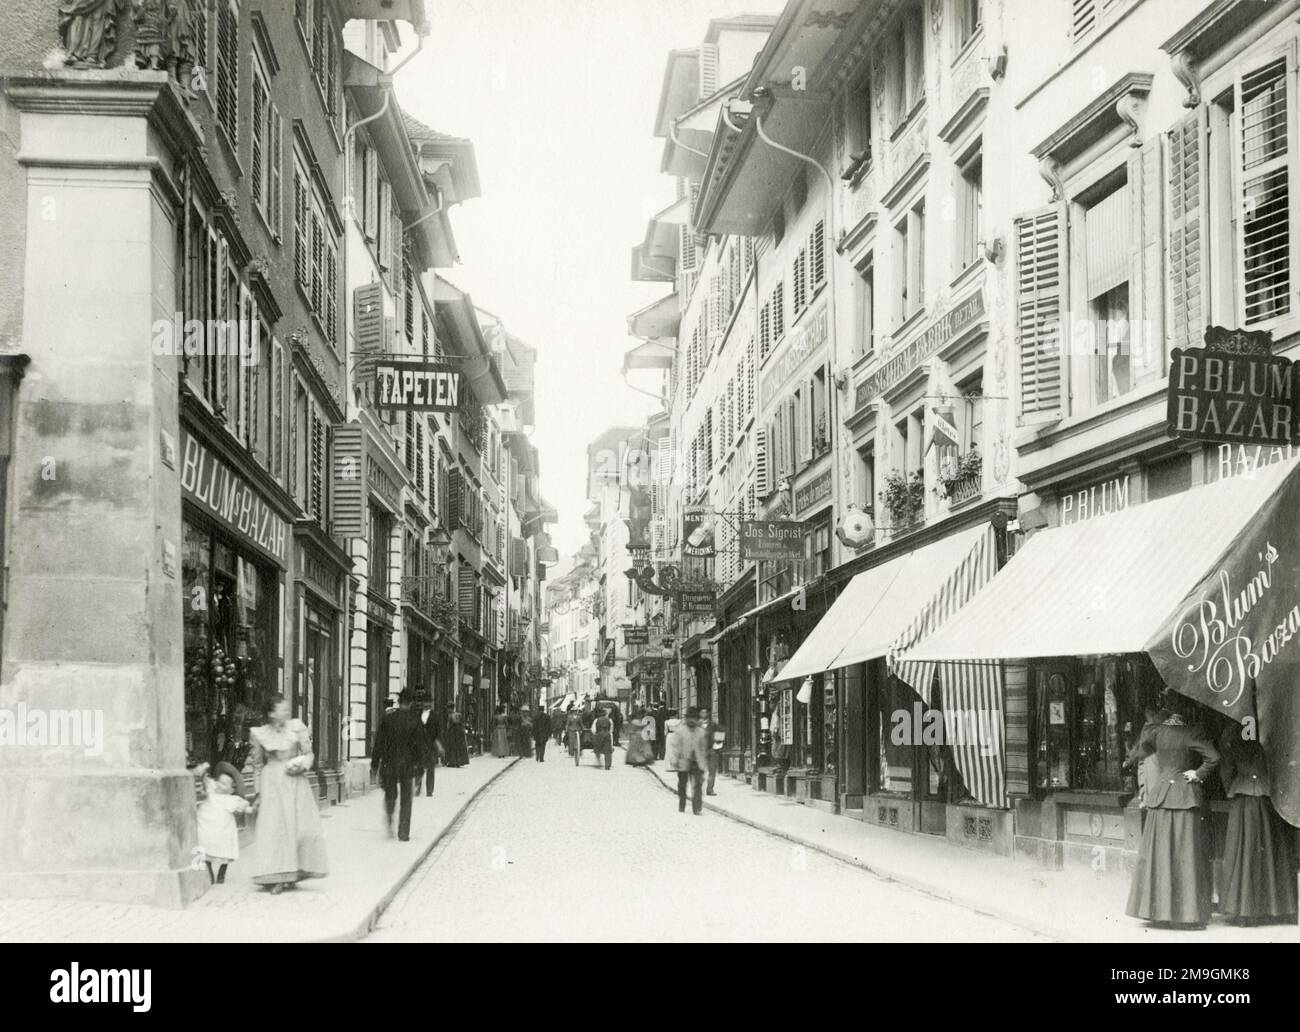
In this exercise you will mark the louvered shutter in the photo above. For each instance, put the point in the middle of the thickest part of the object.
(1146, 255)
(419, 457)
(370, 166)
(316, 499)
(385, 226)
(1264, 109)
(257, 141)
(686, 248)
(817, 253)
(1187, 143)
(317, 263)
(751, 379)
(368, 318)
(454, 491)
(301, 231)
(433, 477)
(1083, 18)
(778, 312)
(799, 281)
(708, 55)
(331, 313)
(348, 499)
(1038, 314)
(276, 159)
(466, 595)
(228, 70)
(762, 463)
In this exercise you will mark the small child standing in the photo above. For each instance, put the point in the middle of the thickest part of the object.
(218, 833)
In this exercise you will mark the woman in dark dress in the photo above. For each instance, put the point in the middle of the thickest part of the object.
(457, 746)
(1173, 883)
(1259, 882)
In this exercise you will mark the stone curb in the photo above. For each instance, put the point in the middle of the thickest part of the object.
(364, 927)
(929, 888)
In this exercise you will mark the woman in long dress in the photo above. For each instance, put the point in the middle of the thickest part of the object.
(501, 733)
(1258, 868)
(1173, 883)
(290, 846)
(640, 753)
(456, 745)
(573, 735)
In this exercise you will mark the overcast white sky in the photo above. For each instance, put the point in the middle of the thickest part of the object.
(559, 97)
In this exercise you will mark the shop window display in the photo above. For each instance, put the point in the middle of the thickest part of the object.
(229, 622)
(1088, 714)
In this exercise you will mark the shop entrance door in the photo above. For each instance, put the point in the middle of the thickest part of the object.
(321, 701)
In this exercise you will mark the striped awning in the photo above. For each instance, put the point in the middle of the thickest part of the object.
(878, 605)
(970, 694)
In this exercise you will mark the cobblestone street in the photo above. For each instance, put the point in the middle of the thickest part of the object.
(551, 853)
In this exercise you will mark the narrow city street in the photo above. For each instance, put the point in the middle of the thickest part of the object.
(555, 853)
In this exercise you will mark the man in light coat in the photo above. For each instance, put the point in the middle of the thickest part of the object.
(688, 755)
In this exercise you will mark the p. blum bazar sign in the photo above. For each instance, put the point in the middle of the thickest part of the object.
(1233, 390)
(944, 329)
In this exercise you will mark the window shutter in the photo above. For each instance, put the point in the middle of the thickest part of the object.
(762, 463)
(276, 159)
(817, 251)
(317, 262)
(331, 314)
(799, 281)
(1187, 190)
(257, 141)
(1083, 18)
(708, 70)
(1263, 104)
(368, 318)
(370, 169)
(1146, 252)
(686, 248)
(453, 499)
(318, 446)
(228, 70)
(348, 509)
(419, 458)
(751, 378)
(778, 312)
(385, 226)
(433, 477)
(765, 330)
(301, 244)
(466, 596)
(1038, 313)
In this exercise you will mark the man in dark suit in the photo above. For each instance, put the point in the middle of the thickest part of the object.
(397, 756)
(431, 729)
(541, 733)
(661, 738)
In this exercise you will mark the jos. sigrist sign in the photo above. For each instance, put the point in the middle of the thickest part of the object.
(1233, 389)
(417, 387)
(771, 539)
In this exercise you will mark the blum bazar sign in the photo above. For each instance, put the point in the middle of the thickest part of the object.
(1233, 390)
(218, 491)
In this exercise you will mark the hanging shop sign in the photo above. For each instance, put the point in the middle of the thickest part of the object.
(697, 531)
(217, 490)
(417, 387)
(938, 334)
(771, 540)
(636, 634)
(696, 601)
(1234, 389)
(818, 489)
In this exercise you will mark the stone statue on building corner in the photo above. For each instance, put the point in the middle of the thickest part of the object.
(152, 33)
(88, 31)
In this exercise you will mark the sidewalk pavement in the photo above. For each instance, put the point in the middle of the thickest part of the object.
(367, 868)
(1073, 905)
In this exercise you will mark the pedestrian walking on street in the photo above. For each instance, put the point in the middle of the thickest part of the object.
(541, 734)
(573, 732)
(1173, 883)
(433, 747)
(290, 845)
(524, 742)
(616, 715)
(713, 735)
(602, 738)
(640, 740)
(500, 734)
(688, 755)
(557, 723)
(660, 739)
(457, 746)
(398, 751)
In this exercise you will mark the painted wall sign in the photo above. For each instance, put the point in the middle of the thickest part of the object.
(818, 489)
(1099, 500)
(1233, 389)
(417, 387)
(216, 489)
(947, 326)
(771, 539)
(798, 346)
(696, 601)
